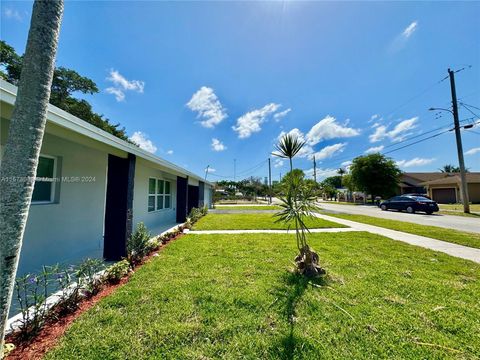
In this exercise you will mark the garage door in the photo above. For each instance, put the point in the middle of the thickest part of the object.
(444, 196)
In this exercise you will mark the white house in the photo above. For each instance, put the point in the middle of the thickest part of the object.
(93, 188)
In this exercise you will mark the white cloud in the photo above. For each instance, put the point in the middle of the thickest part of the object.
(278, 116)
(374, 149)
(121, 85)
(251, 122)
(217, 145)
(278, 163)
(398, 133)
(329, 151)
(410, 29)
(13, 14)
(119, 94)
(141, 139)
(346, 163)
(321, 173)
(473, 151)
(414, 162)
(210, 170)
(208, 107)
(169, 152)
(306, 150)
(373, 118)
(328, 128)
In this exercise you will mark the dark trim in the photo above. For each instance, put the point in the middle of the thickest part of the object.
(132, 160)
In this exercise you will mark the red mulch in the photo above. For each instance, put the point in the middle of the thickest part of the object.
(50, 334)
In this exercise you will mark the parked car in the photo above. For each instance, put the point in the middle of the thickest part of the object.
(422, 195)
(410, 204)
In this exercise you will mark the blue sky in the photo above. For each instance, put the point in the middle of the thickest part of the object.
(204, 83)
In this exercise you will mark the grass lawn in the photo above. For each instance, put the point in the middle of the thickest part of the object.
(435, 232)
(253, 221)
(458, 213)
(459, 207)
(246, 207)
(231, 297)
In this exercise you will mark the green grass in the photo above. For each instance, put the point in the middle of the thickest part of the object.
(231, 297)
(435, 232)
(246, 207)
(458, 213)
(459, 207)
(253, 221)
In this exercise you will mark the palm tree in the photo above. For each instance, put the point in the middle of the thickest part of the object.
(450, 169)
(24, 140)
(288, 146)
(297, 205)
(341, 171)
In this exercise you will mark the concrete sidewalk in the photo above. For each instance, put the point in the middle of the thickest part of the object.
(460, 251)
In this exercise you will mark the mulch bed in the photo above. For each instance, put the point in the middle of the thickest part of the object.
(53, 330)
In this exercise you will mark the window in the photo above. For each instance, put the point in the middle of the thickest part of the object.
(159, 194)
(44, 188)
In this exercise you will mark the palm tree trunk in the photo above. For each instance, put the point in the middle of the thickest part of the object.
(27, 125)
(291, 164)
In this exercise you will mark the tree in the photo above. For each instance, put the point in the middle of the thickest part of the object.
(22, 150)
(289, 146)
(297, 205)
(65, 84)
(449, 168)
(341, 171)
(375, 174)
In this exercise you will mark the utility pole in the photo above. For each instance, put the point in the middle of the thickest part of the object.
(458, 136)
(314, 169)
(270, 180)
(206, 172)
(234, 170)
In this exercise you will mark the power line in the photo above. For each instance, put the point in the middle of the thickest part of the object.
(416, 142)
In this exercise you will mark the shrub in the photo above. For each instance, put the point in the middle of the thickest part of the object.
(87, 278)
(115, 272)
(196, 214)
(137, 245)
(70, 294)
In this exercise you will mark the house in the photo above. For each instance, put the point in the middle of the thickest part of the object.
(441, 187)
(93, 188)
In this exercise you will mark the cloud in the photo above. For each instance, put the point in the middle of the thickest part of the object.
(121, 85)
(398, 133)
(414, 162)
(374, 149)
(251, 122)
(329, 151)
(278, 163)
(410, 29)
(141, 139)
(217, 145)
(472, 151)
(208, 107)
(13, 14)
(401, 40)
(306, 150)
(169, 152)
(321, 173)
(346, 163)
(210, 170)
(280, 115)
(328, 128)
(373, 118)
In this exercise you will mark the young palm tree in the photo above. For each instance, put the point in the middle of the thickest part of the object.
(289, 146)
(25, 137)
(297, 205)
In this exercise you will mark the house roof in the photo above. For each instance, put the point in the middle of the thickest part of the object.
(454, 179)
(64, 119)
(422, 176)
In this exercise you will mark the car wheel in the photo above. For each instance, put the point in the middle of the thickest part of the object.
(410, 210)
(383, 207)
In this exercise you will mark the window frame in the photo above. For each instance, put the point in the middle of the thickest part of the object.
(156, 195)
(53, 187)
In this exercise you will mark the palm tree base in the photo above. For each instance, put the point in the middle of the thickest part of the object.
(308, 263)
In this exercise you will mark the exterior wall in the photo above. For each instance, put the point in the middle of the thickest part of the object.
(71, 228)
(155, 221)
(208, 196)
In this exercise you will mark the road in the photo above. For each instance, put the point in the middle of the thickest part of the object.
(462, 223)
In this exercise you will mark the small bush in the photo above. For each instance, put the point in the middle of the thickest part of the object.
(87, 278)
(137, 245)
(196, 214)
(70, 292)
(115, 272)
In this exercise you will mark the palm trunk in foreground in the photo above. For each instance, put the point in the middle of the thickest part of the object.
(27, 125)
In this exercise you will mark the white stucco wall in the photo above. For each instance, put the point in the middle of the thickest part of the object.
(70, 229)
(155, 221)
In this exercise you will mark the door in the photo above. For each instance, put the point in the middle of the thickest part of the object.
(181, 199)
(201, 194)
(193, 197)
(444, 196)
(118, 206)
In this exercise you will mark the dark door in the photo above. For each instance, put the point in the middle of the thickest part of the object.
(192, 197)
(201, 194)
(444, 196)
(181, 199)
(118, 206)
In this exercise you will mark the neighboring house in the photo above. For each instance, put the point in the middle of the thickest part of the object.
(441, 187)
(93, 188)
(447, 189)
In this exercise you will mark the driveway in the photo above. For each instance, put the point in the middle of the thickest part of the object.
(461, 223)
